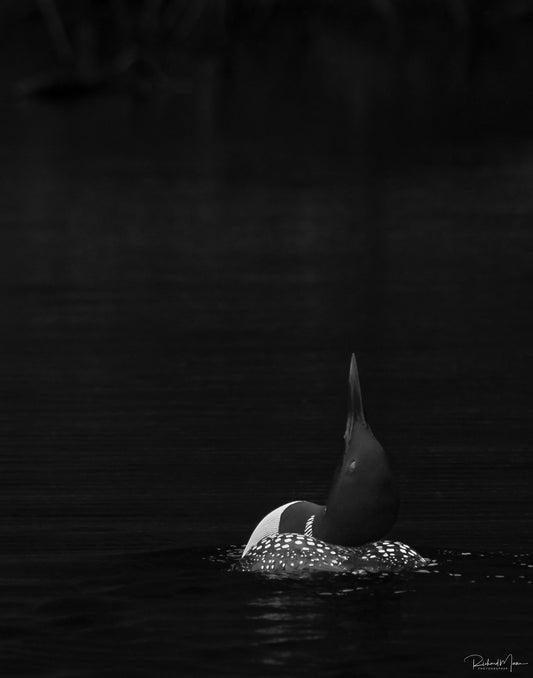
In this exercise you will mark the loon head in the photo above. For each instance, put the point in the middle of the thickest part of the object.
(363, 502)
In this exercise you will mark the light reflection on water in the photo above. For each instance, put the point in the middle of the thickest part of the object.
(191, 608)
(381, 620)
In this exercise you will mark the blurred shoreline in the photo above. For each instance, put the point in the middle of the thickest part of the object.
(406, 69)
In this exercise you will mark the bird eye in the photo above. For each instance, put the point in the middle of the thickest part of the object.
(352, 466)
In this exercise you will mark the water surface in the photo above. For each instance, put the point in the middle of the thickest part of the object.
(181, 294)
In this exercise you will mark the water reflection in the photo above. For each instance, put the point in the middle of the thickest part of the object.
(357, 619)
(184, 608)
(376, 622)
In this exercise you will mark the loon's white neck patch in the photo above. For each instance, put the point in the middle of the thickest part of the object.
(308, 531)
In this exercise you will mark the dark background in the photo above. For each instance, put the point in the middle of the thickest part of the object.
(205, 207)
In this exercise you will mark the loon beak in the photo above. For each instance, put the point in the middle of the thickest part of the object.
(355, 401)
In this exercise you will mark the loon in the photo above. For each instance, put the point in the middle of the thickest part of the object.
(344, 535)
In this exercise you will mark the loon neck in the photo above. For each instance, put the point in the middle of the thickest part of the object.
(320, 530)
(360, 523)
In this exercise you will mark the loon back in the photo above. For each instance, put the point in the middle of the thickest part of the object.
(291, 553)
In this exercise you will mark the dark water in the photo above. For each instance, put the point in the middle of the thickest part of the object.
(184, 612)
(180, 297)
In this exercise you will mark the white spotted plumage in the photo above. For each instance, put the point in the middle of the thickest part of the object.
(297, 553)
